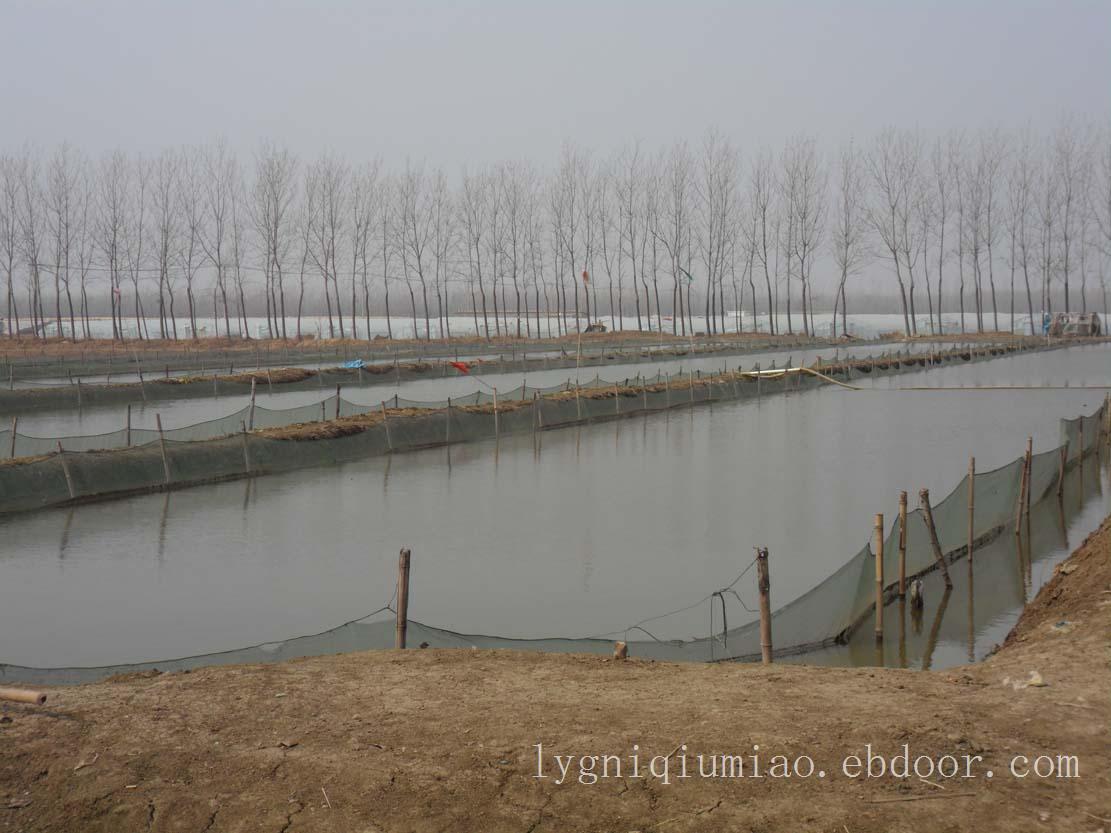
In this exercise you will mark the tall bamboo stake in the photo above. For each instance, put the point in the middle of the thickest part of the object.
(902, 544)
(1022, 489)
(402, 599)
(65, 471)
(971, 506)
(1061, 469)
(879, 576)
(928, 518)
(764, 583)
(386, 423)
(15, 425)
(162, 446)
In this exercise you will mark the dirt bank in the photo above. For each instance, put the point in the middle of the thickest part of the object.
(444, 740)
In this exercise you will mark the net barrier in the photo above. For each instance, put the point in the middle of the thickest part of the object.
(26, 366)
(162, 388)
(825, 615)
(254, 441)
(27, 445)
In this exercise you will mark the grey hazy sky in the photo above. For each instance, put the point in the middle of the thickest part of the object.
(474, 82)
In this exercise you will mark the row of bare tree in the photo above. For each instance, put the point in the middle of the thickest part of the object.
(657, 238)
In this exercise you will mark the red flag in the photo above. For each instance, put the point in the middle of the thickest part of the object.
(462, 367)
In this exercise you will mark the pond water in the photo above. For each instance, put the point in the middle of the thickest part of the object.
(582, 532)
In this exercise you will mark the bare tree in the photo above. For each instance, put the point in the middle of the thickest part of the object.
(219, 183)
(9, 237)
(61, 197)
(274, 218)
(1068, 164)
(849, 231)
(891, 164)
(166, 209)
(762, 203)
(941, 185)
(136, 220)
(1020, 198)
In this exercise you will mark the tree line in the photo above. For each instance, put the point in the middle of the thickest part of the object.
(656, 237)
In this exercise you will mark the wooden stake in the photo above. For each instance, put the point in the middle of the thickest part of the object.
(65, 471)
(928, 517)
(496, 427)
(337, 401)
(269, 382)
(127, 429)
(902, 544)
(386, 422)
(879, 576)
(1020, 508)
(402, 599)
(1081, 450)
(763, 583)
(15, 425)
(251, 417)
(758, 375)
(142, 386)
(447, 423)
(971, 505)
(246, 450)
(78, 392)
(1060, 469)
(667, 387)
(162, 445)
(1029, 474)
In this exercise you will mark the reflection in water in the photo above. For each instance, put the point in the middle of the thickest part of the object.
(1004, 573)
(586, 535)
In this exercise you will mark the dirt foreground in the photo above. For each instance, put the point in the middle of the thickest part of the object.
(445, 740)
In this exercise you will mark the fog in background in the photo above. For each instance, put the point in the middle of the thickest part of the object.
(460, 86)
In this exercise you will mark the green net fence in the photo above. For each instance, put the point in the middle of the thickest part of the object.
(249, 441)
(827, 614)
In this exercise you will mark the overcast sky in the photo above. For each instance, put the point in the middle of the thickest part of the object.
(456, 83)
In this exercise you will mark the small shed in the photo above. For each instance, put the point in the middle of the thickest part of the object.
(1075, 324)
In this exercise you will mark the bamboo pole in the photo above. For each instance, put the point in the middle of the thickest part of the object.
(879, 576)
(23, 695)
(1061, 469)
(142, 385)
(386, 422)
(1081, 450)
(65, 471)
(496, 427)
(1020, 508)
(402, 599)
(971, 506)
(127, 428)
(162, 446)
(763, 583)
(15, 425)
(1029, 475)
(246, 450)
(928, 517)
(78, 391)
(902, 544)
(251, 417)
(269, 381)
(758, 376)
(338, 389)
(667, 388)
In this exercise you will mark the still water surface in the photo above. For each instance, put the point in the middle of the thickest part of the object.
(584, 532)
